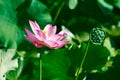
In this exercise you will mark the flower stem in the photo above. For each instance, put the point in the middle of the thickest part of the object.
(58, 12)
(40, 68)
(79, 70)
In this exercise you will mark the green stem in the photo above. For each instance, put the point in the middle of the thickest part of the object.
(40, 68)
(79, 70)
(58, 12)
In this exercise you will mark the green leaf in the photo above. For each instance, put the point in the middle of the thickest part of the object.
(105, 5)
(16, 3)
(72, 4)
(39, 11)
(114, 2)
(108, 45)
(10, 34)
(33, 10)
(96, 58)
(55, 65)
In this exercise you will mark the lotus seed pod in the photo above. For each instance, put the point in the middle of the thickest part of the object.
(97, 36)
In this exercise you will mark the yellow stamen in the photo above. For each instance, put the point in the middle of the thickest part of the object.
(44, 31)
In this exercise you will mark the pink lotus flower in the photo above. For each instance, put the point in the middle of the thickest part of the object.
(46, 37)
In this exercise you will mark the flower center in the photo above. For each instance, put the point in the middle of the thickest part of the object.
(44, 31)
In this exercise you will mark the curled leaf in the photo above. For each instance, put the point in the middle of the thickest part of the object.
(7, 62)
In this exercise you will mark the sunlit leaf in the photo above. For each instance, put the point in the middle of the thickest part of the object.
(114, 2)
(105, 7)
(108, 45)
(72, 4)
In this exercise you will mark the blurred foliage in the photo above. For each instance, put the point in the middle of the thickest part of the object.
(79, 16)
(72, 4)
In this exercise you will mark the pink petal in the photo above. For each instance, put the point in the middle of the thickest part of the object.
(62, 43)
(35, 41)
(30, 36)
(38, 45)
(36, 24)
(28, 32)
(62, 36)
(35, 27)
(40, 35)
(50, 30)
(51, 44)
(54, 29)
(62, 31)
(57, 37)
